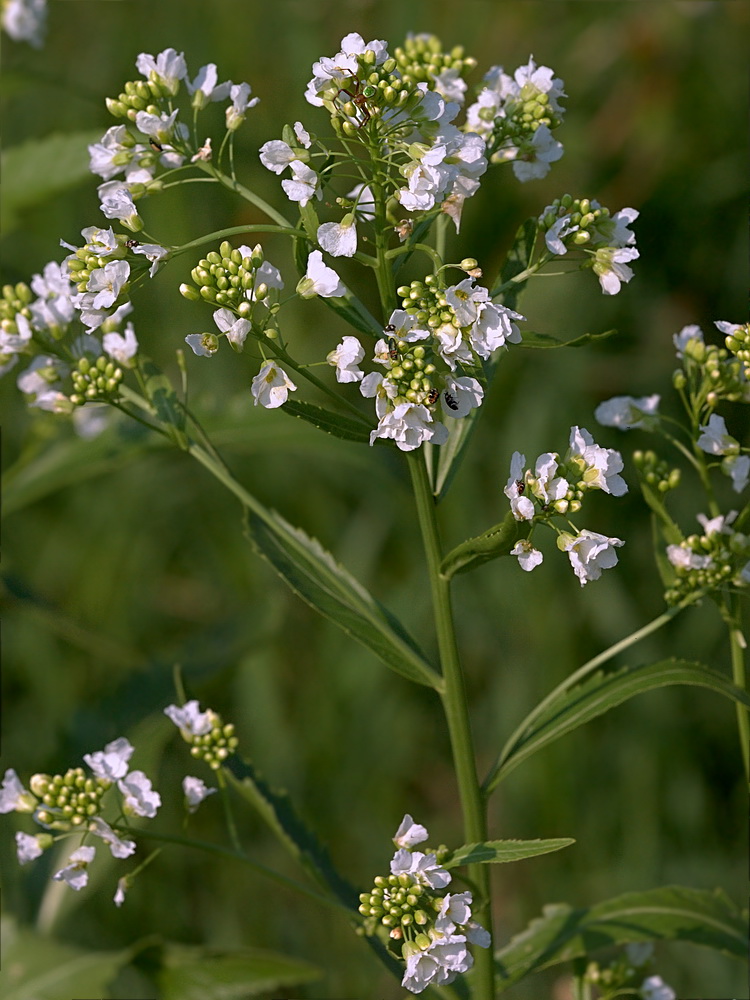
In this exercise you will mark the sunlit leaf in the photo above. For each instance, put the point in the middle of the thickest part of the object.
(502, 851)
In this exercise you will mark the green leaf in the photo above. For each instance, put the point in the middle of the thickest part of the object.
(197, 974)
(502, 851)
(314, 575)
(496, 541)
(36, 967)
(326, 420)
(544, 340)
(277, 810)
(599, 693)
(669, 913)
(167, 407)
(40, 168)
(518, 259)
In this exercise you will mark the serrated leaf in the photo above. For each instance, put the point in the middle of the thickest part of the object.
(314, 575)
(326, 420)
(40, 168)
(668, 913)
(493, 543)
(36, 967)
(599, 693)
(195, 974)
(544, 340)
(277, 810)
(502, 851)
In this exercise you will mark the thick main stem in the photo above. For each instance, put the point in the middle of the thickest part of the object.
(737, 645)
(456, 711)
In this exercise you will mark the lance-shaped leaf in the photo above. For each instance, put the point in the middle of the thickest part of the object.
(502, 851)
(277, 810)
(315, 576)
(206, 974)
(347, 428)
(544, 340)
(509, 283)
(596, 695)
(166, 405)
(496, 541)
(669, 913)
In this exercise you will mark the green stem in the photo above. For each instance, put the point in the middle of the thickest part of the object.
(495, 772)
(737, 645)
(455, 706)
(243, 192)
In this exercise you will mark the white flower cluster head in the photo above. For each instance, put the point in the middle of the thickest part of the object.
(516, 115)
(716, 557)
(430, 931)
(557, 487)
(25, 21)
(72, 803)
(584, 224)
(210, 740)
(153, 139)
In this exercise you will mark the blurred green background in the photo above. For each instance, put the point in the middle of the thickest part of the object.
(134, 560)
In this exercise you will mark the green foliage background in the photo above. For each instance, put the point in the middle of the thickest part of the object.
(134, 561)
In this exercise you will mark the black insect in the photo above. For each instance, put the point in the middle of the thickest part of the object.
(155, 146)
(131, 244)
(432, 396)
(520, 486)
(450, 400)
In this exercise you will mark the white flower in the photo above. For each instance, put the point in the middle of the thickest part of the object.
(715, 439)
(162, 129)
(610, 268)
(13, 796)
(521, 506)
(205, 88)
(332, 73)
(528, 556)
(304, 183)
(123, 884)
(121, 349)
(683, 338)
(422, 867)
(737, 467)
(339, 238)
(119, 848)
(545, 485)
(557, 232)
(204, 345)
(590, 553)
(613, 229)
(405, 327)
(235, 328)
(320, 279)
(409, 425)
(639, 952)
(381, 388)
(718, 525)
(460, 396)
(195, 792)
(111, 763)
(494, 328)
(28, 848)
(153, 252)
(599, 466)
(117, 203)
(682, 557)
(346, 360)
(25, 21)
(654, 988)
(167, 69)
(535, 158)
(140, 798)
(41, 380)
(76, 872)
(626, 412)
(190, 720)
(277, 155)
(303, 136)
(106, 283)
(241, 103)
(271, 386)
(409, 833)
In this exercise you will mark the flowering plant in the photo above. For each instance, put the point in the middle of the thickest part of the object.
(386, 164)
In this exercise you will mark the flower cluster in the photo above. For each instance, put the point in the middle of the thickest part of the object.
(623, 976)
(429, 930)
(73, 802)
(556, 487)
(707, 376)
(153, 139)
(516, 116)
(210, 739)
